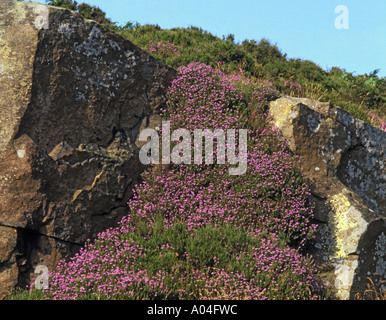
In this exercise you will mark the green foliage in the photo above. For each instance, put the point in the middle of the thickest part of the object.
(208, 247)
(21, 294)
(263, 60)
(258, 59)
(87, 12)
(264, 52)
(92, 13)
(66, 4)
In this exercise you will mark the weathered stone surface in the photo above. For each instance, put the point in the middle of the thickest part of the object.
(345, 161)
(8, 265)
(73, 99)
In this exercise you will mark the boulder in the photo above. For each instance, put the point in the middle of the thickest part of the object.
(73, 97)
(344, 159)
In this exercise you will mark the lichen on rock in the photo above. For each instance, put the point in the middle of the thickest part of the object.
(344, 159)
(73, 98)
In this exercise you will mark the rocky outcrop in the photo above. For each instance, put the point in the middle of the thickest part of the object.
(345, 161)
(73, 99)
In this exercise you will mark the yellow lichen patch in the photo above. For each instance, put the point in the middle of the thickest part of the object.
(345, 225)
(76, 194)
(6, 57)
(280, 112)
(18, 12)
(329, 123)
(5, 51)
(88, 188)
(18, 43)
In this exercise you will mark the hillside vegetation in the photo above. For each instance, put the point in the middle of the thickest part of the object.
(194, 231)
(364, 96)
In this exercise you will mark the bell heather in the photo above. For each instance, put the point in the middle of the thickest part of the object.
(194, 231)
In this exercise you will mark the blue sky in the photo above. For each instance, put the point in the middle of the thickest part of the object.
(301, 28)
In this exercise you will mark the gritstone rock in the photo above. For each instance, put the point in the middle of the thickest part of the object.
(345, 161)
(73, 99)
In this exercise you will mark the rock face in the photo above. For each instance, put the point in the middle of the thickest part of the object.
(73, 99)
(345, 161)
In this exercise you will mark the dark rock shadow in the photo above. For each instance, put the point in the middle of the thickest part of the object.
(371, 260)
